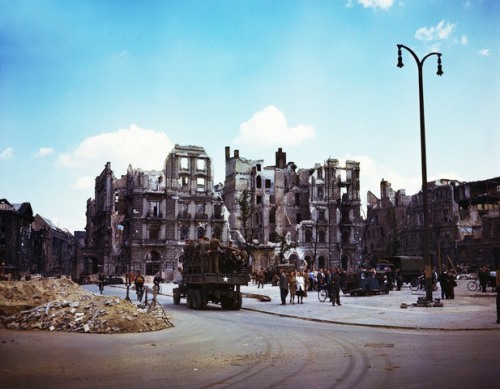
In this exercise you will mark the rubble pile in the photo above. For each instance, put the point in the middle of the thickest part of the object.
(62, 305)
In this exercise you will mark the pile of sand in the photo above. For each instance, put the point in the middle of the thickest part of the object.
(62, 305)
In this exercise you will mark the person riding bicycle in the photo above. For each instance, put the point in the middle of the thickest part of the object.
(156, 281)
(139, 284)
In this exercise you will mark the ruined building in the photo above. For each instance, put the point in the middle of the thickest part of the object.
(32, 244)
(141, 220)
(316, 211)
(464, 223)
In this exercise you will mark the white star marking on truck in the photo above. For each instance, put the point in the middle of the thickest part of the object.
(225, 279)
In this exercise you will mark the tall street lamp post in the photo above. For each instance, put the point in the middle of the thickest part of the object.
(427, 259)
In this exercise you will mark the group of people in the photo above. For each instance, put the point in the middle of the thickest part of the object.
(296, 284)
(211, 256)
(447, 281)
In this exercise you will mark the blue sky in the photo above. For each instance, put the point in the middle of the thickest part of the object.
(87, 82)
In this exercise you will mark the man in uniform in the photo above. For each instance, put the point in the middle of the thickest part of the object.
(215, 248)
(203, 244)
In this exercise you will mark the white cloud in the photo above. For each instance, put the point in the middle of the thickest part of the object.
(144, 149)
(441, 32)
(269, 127)
(484, 52)
(85, 182)
(44, 151)
(8, 153)
(464, 40)
(384, 4)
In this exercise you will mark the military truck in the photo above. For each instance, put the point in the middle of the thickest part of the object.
(201, 284)
(411, 267)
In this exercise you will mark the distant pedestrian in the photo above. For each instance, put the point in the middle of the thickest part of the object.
(335, 287)
(260, 279)
(399, 279)
(283, 287)
(292, 285)
(444, 283)
(301, 287)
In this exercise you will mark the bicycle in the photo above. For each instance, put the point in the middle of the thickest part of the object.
(417, 283)
(323, 292)
(473, 285)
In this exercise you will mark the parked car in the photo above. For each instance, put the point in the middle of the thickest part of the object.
(113, 280)
(363, 283)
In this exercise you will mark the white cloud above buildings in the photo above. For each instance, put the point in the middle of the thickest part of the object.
(144, 149)
(270, 128)
(384, 4)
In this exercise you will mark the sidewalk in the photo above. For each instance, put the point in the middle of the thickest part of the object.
(467, 311)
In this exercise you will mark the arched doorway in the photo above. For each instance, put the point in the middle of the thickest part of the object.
(322, 262)
(294, 260)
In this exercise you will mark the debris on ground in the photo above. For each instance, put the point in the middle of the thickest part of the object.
(59, 304)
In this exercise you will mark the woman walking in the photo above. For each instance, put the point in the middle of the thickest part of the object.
(301, 287)
(292, 287)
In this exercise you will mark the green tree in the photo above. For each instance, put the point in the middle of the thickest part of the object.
(245, 214)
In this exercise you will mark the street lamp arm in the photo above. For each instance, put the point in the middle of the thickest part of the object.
(420, 63)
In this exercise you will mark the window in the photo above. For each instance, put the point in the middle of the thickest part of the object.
(153, 233)
(259, 199)
(184, 181)
(297, 198)
(321, 215)
(184, 163)
(200, 184)
(184, 233)
(268, 184)
(298, 218)
(154, 209)
(321, 236)
(200, 231)
(272, 216)
(201, 164)
(259, 182)
(308, 236)
(320, 191)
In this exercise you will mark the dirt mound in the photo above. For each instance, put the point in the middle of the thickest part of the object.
(62, 305)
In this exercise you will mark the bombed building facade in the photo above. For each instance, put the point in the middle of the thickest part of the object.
(32, 244)
(464, 223)
(315, 211)
(141, 220)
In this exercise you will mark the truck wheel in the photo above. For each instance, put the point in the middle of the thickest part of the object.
(224, 303)
(237, 301)
(204, 300)
(189, 298)
(177, 296)
(196, 299)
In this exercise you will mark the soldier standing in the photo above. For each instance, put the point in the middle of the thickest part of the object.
(203, 253)
(215, 248)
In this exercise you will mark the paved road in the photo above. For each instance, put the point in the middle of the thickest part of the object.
(248, 349)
